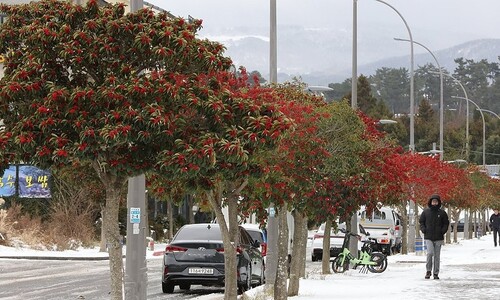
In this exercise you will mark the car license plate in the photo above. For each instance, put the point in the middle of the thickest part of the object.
(208, 271)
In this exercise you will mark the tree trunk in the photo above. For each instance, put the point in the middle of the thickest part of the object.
(113, 185)
(404, 224)
(170, 214)
(229, 234)
(280, 287)
(456, 216)
(325, 261)
(448, 233)
(190, 209)
(113, 239)
(297, 268)
(102, 244)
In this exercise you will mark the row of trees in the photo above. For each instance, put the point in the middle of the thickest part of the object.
(140, 93)
(386, 93)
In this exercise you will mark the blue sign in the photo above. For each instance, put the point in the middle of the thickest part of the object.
(8, 182)
(26, 181)
(135, 215)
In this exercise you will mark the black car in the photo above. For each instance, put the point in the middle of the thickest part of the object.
(195, 256)
(461, 225)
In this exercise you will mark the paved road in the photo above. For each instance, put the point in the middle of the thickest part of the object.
(66, 280)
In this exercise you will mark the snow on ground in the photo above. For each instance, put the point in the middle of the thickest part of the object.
(470, 269)
(466, 273)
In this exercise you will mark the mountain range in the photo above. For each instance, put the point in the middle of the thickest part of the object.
(323, 56)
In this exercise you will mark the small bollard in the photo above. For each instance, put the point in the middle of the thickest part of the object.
(419, 246)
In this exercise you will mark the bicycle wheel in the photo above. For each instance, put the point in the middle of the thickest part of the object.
(337, 265)
(381, 261)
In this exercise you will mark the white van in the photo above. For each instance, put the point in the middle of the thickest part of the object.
(384, 224)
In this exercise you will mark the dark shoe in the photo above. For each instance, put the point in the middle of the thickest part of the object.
(428, 275)
(436, 276)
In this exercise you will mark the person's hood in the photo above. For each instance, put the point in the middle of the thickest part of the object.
(435, 196)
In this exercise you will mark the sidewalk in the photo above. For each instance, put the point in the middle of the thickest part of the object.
(469, 270)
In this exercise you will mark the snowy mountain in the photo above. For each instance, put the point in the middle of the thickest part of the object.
(321, 55)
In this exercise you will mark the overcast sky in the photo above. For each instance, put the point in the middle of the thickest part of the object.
(455, 20)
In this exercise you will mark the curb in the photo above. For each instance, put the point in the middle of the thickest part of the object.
(56, 258)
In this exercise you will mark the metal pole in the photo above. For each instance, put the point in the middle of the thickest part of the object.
(484, 127)
(354, 80)
(411, 230)
(467, 148)
(273, 44)
(272, 222)
(353, 244)
(441, 102)
(136, 280)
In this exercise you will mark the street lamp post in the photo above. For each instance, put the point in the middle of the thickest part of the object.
(272, 221)
(411, 231)
(354, 78)
(484, 126)
(441, 106)
(467, 150)
(491, 112)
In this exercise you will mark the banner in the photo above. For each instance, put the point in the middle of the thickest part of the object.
(8, 182)
(26, 181)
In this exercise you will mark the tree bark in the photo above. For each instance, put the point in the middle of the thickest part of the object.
(113, 185)
(280, 287)
(170, 218)
(404, 226)
(448, 233)
(113, 239)
(230, 235)
(102, 244)
(297, 268)
(325, 261)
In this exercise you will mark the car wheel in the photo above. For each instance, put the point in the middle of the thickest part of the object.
(167, 287)
(185, 286)
(313, 258)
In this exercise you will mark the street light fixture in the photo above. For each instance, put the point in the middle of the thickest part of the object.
(491, 112)
(441, 107)
(484, 126)
(411, 231)
(386, 121)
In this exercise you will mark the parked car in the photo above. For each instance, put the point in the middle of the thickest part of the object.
(461, 225)
(336, 241)
(384, 224)
(258, 234)
(195, 256)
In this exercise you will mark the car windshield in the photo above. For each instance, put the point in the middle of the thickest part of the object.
(256, 235)
(209, 232)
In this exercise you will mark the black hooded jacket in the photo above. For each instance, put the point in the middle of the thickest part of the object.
(495, 221)
(434, 221)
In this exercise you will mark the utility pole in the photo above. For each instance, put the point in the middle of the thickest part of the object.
(272, 220)
(353, 243)
(136, 281)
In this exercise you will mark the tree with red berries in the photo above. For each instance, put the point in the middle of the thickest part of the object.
(125, 93)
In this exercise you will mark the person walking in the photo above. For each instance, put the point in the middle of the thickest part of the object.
(434, 223)
(495, 225)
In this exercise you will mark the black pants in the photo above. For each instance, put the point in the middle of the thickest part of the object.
(496, 232)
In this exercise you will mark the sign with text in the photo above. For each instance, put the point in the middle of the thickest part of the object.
(26, 181)
(135, 215)
(8, 182)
